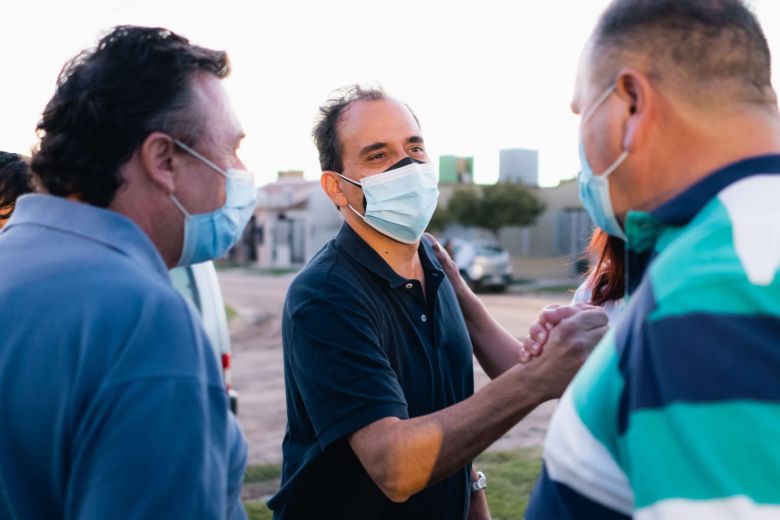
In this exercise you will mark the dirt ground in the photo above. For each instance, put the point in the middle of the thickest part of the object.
(257, 359)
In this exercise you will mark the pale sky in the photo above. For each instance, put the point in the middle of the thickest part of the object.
(481, 75)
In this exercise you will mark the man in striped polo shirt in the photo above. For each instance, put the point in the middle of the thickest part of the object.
(677, 412)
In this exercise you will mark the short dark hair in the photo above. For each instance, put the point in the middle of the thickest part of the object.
(14, 181)
(696, 43)
(325, 131)
(109, 99)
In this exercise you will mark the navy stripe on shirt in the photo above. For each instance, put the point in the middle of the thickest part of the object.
(740, 349)
(681, 209)
(554, 500)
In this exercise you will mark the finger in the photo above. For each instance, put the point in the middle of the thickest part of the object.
(583, 329)
(524, 356)
(538, 332)
(550, 317)
(441, 254)
(593, 318)
(434, 243)
(532, 347)
(586, 306)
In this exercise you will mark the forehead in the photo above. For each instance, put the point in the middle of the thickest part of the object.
(214, 102)
(583, 81)
(382, 121)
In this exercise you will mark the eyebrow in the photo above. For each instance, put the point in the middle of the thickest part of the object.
(415, 139)
(372, 148)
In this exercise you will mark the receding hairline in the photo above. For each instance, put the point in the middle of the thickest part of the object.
(385, 98)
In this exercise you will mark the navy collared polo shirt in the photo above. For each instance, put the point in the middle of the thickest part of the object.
(362, 343)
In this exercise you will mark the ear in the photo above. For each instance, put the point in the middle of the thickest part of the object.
(330, 185)
(158, 158)
(636, 90)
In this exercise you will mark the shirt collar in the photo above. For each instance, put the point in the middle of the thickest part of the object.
(89, 222)
(643, 228)
(682, 208)
(358, 249)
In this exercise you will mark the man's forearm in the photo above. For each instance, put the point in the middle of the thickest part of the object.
(495, 348)
(416, 453)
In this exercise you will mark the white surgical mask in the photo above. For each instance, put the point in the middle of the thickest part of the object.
(400, 201)
(209, 235)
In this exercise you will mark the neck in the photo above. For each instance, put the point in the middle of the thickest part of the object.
(156, 223)
(402, 258)
(706, 145)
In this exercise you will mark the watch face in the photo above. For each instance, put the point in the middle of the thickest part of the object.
(480, 483)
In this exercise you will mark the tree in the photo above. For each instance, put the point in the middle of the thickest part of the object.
(495, 207)
(440, 220)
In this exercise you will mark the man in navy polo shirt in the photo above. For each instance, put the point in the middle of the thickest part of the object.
(382, 422)
(113, 404)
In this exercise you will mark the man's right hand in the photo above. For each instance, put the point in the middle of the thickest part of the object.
(564, 337)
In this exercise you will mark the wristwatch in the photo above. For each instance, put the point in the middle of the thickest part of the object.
(480, 483)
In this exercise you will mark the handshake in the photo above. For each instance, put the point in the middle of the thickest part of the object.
(557, 344)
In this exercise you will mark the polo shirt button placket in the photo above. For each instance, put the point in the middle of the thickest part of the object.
(409, 285)
(424, 318)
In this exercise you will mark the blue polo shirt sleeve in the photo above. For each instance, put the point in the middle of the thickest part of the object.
(343, 374)
(155, 440)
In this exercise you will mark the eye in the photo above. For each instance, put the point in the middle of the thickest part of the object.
(374, 157)
(417, 149)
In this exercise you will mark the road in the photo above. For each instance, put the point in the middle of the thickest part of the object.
(257, 359)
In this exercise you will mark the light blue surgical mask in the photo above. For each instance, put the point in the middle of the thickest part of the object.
(400, 201)
(209, 235)
(594, 189)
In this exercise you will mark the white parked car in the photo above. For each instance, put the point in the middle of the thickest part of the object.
(199, 285)
(483, 264)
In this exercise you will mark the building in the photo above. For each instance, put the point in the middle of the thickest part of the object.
(551, 247)
(519, 165)
(293, 220)
(456, 170)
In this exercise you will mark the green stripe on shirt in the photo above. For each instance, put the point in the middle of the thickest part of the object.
(704, 451)
(596, 391)
(699, 271)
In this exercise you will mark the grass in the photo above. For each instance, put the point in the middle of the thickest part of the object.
(511, 477)
(259, 473)
(257, 511)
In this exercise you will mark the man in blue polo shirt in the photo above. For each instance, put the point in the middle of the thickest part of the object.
(382, 422)
(676, 415)
(14, 182)
(112, 401)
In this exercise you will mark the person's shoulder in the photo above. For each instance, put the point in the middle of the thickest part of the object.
(707, 264)
(583, 294)
(330, 273)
